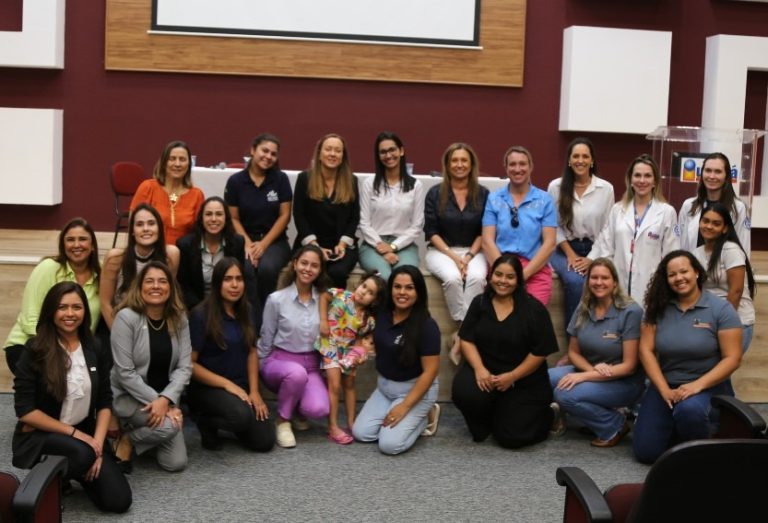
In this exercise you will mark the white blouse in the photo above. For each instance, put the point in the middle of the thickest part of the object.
(391, 212)
(74, 408)
(590, 210)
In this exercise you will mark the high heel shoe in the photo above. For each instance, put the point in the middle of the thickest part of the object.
(455, 351)
(123, 448)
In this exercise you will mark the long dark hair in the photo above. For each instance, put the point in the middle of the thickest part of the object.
(729, 236)
(727, 194)
(323, 280)
(519, 294)
(227, 233)
(128, 265)
(406, 180)
(659, 294)
(565, 201)
(46, 345)
(408, 350)
(213, 307)
(93, 259)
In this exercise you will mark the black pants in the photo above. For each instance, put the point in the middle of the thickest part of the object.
(218, 409)
(110, 491)
(517, 417)
(339, 271)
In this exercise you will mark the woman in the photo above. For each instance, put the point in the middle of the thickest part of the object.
(63, 399)
(151, 352)
(453, 213)
(391, 210)
(170, 191)
(290, 367)
(602, 377)
(640, 230)
(213, 239)
(76, 261)
(583, 203)
(521, 219)
(225, 366)
(503, 389)
(714, 186)
(259, 199)
(146, 243)
(729, 273)
(690, 344)
(407, 342)
(326, 208)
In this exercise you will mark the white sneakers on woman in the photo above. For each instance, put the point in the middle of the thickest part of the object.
(285, 437)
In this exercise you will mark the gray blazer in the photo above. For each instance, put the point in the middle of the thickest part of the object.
(130, 351)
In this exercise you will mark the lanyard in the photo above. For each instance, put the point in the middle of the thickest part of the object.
(638, 223)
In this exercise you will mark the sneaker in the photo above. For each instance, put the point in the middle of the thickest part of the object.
(301, 424)
(433, 418)
(285, 437)
(558, 424)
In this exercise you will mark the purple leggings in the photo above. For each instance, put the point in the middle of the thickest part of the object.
(296, 379)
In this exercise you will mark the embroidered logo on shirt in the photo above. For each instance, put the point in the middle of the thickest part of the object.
(607, 335)
(272, 196)
(701, 324)
(653, 236)
(747, 223)
(677, 230)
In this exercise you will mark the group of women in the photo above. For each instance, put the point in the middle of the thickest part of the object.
(204, 316)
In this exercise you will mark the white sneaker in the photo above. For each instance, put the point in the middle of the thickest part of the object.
(285, 437)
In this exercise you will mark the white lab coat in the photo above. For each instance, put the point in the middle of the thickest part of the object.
(656, 237)
(689, 226)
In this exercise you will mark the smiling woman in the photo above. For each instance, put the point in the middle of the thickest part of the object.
(78, 261)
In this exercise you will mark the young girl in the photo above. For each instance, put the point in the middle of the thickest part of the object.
(345, 319)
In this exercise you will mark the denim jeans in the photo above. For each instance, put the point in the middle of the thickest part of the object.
(401, 437)
(371, 260)
(658, 427)
(595, 403)
(572, 281)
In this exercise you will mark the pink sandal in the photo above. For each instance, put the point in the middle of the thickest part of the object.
(342, 438)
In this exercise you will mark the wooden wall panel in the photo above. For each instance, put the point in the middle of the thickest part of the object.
(499, 63)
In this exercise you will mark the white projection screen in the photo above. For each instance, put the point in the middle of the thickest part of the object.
(404, 22)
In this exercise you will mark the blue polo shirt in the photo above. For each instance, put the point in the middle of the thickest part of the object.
(258, 207)
(537, 210)
(686, 341)
(602, 340)
(389, 338)
(231, 362)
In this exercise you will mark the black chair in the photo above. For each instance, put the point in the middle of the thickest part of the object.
(38, 497)
(737, 419)
(701, 481)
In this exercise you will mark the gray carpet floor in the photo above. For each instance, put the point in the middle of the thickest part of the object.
(443, 478)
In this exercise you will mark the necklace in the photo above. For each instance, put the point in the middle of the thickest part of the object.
(144, 258)
(152, 324)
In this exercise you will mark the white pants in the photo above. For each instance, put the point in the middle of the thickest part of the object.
(458, 293)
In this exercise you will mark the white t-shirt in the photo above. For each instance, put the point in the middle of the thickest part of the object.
(730, 257)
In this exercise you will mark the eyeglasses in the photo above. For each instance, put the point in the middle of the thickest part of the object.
(515, 217)
(385, 152)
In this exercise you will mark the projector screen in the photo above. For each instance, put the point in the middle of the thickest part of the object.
(419, 22)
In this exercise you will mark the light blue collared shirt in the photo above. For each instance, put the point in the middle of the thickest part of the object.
(288, 323)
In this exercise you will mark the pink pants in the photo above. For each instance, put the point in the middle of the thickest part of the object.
(540, 284)
(296, 379)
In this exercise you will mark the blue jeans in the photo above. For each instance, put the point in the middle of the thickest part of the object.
(572, 281)
(371, 260)
(595, 403)
(747, 331)
(401, 437)
(658, 427)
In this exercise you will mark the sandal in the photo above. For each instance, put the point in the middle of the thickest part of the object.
(455, 352)
(434, 413)
(341, 437)
(123, 450)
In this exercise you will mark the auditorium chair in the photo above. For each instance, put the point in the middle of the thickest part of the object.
(38, 497)
(125, 178)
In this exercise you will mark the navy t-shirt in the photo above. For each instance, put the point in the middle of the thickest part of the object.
(389, 338)
(258, 207)
(230, 363)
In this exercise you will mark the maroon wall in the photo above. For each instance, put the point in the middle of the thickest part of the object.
(111, 116)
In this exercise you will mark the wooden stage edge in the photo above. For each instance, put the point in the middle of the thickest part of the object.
(20, 250)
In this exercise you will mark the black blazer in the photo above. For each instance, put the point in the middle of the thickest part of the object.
(328, 221)
(190, 274)
(30, 393)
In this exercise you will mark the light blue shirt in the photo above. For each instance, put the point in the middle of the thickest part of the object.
(536, 211)
(288, 323)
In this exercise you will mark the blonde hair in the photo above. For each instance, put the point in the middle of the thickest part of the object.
(629, 193)
(621, 300)
(473, 189)
(173, 310)
(344, 188)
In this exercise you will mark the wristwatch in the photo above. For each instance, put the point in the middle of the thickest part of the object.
(393, 246)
